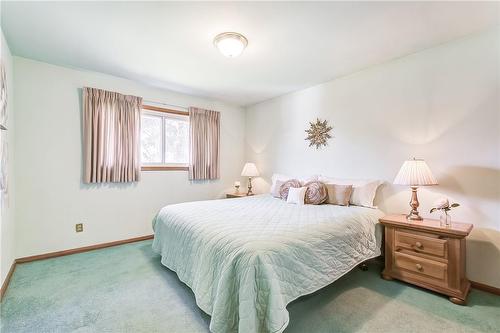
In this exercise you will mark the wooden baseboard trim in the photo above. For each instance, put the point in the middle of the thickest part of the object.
(65, 253)
(5, 283)
(81, 249)
(485, 287)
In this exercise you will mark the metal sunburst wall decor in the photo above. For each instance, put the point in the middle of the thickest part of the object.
(318, 133)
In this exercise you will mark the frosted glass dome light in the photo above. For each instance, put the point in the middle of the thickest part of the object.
(230, 44)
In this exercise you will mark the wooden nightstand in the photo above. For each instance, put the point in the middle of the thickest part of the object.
(427, 255)
(236, 195)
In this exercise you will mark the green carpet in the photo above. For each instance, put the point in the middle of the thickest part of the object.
(126, 289)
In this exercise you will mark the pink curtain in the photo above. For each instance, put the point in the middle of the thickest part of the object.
(111, 136)
(204, 140)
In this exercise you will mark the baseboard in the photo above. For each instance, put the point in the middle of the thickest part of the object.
(65, 253)
(485, 287)
(5, 283)
(80, 249)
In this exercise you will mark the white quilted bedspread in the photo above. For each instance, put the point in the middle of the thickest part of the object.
(246, 258)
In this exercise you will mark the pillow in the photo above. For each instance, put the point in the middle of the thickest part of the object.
(283, 178)
(339, 194)
(286, 186)
(363, 193)
(276, 190)
(316, 193)
(305, 180)
(296, 195)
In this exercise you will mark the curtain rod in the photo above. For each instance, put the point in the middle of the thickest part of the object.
(166, 104)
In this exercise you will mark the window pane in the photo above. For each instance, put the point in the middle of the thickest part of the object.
(151, 139)
(177, 140)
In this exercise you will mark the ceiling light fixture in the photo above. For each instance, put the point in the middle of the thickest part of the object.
(230, 44)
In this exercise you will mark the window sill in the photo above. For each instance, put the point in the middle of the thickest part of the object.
(164, 168)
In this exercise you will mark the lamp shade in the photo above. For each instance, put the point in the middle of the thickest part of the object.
(250, 170)
(415, 172)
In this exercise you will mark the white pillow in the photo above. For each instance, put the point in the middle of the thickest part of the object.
(275, 178)
(296, 195)
(363, 193)
(279, 176)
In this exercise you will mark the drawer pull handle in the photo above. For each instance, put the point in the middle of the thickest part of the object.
(419, 267)
(418, 245)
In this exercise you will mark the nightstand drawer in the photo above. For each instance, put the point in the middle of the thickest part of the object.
(420, 243)
(434, 269)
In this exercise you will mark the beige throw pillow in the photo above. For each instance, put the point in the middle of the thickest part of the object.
(363, 191)
(339, 194)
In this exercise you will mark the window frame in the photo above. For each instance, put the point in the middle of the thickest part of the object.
(154, 110)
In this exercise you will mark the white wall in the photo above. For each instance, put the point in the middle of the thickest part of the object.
(7, 225)
(50, 196)
(441, 104)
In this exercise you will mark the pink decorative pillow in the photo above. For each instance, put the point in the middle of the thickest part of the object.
(286, 185)
(316, 193)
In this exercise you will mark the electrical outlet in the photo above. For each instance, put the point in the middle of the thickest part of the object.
(79, 227)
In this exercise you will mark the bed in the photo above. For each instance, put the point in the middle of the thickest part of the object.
(245, 259)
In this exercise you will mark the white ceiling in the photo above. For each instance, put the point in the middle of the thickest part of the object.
(292, 45)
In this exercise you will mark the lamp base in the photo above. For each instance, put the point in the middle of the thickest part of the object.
(249, 186)
(414, 215)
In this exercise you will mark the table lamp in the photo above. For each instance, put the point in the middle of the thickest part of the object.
(250, 170)
(414, 173)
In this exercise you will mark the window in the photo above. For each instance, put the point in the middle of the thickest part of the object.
(164, 139)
